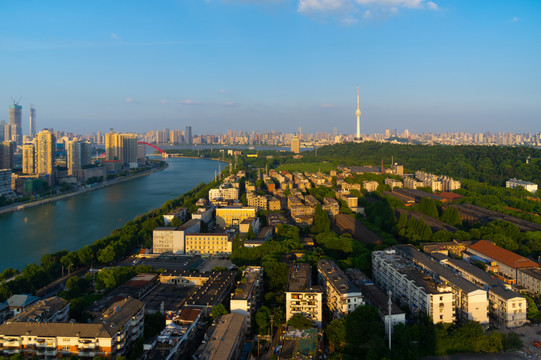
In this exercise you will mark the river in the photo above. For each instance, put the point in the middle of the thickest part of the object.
(26, 235)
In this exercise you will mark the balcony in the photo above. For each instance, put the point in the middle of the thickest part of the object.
(89, 353)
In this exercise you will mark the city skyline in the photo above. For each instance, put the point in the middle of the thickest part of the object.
(422, 65)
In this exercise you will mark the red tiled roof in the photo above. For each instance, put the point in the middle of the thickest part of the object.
(506, 257)
(450, 196)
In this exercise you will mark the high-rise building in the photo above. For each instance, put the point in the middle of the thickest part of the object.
(295, 145)
(2, 130)
(129, 149)
(188, 135)
(113, 146)
(32, 121)
(29, 159)
(7, 148)
(45, 155)
(122, 147)
(78, 155)
(15, 122)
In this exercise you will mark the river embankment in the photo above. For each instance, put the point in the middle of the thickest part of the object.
(105, 183)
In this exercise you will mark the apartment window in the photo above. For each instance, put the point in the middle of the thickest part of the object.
(441, 298)
(441, 317)
(66, 347)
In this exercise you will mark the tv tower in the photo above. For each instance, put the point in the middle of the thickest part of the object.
(358, 113)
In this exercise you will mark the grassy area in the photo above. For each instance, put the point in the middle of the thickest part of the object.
(310, 167)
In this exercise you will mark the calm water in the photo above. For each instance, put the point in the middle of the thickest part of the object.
(80, 220)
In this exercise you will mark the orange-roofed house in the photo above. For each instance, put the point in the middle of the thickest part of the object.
(508, 261)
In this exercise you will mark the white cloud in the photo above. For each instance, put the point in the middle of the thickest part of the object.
(432, 6)
(306, 6)
(348, 9)
(114, 36)
(190, 102)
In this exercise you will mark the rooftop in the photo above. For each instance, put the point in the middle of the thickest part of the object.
(246, 285)
(213, 290)
(41, 310)
(506, 257)
(494, 284)
(300, 279)
(21, 300)
(223, 337)
(336, 276)
(444, 273)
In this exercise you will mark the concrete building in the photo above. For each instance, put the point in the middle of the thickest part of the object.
(45, 155)
(409, 286)
(530, 279)
(167, 239)
(209, 243)
(78, 156)
(527, 185)
(7, 149)
(121, 147)
(393, 183)
(19, 302)
(470, 301)
(370, 186)
(247, 296)
(331, 206)
(295, 145)
(508, 262)
(506, 307)
(188, 135)
(213, 292)
(301, 297)
(181, 213)
(5, 184)
(224, 192)
(53, 309)
(33, 122)
(29, 159)
(109, 335)
(376, 297)
(225, 339)
(258, 201)
(341, 295)
(15, 124)
(231, 216)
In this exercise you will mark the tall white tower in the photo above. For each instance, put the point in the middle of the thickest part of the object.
(358, 113)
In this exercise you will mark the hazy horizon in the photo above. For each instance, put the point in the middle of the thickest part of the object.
(434, 66)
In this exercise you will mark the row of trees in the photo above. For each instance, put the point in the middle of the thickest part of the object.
(121, 242)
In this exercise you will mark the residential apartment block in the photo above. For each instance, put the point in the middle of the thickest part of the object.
(341, 295)
(246, 297)
(470, 301)
(301, 296)
(411, 287)
(109, 335)
(507, 307)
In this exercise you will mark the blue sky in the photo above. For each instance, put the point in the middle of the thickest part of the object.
(441, 65)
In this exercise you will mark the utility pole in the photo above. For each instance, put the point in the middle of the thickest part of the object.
(390, 293)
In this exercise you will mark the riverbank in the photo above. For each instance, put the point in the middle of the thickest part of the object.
(105, 183)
